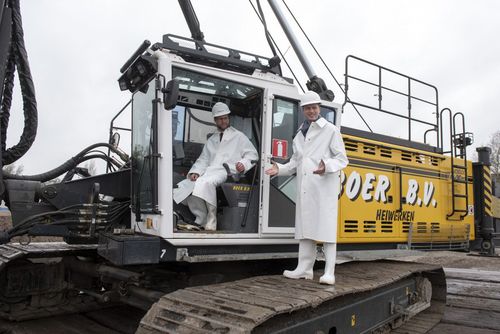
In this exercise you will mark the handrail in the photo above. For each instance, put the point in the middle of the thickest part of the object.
(112, 127)
(381, 88)
(457, 142)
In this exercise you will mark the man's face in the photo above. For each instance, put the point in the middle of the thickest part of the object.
(311, 112)
(222, 122)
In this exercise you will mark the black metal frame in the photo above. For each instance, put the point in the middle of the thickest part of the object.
(484, 224)
(154, 156)
(381, 88)
(201, 55)
(112, 127)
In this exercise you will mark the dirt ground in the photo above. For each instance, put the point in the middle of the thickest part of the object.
(457, 259)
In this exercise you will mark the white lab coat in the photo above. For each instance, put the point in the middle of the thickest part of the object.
(235, 147)
(317, 195)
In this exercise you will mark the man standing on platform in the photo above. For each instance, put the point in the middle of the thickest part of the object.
(318, 156)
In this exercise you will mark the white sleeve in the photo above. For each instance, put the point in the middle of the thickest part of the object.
(337, 159)
(248, 153)
(201, 164)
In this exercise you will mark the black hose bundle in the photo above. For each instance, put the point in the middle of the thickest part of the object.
(72, 163)
(18, 58)
(77, 217)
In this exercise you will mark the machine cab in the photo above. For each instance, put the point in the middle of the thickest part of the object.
(251, 208)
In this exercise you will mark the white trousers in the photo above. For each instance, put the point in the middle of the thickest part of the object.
(205, 186)
(205, 213)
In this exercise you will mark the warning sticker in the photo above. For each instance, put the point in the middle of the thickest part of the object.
(280, 148)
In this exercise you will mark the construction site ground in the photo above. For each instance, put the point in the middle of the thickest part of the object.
(473, 302)
(473, 291)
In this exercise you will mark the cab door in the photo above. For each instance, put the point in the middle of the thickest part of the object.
(280, 126)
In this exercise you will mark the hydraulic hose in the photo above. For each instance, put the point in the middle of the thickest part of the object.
(66, 166)
(7, 101)
(52, 174)
(18, 58)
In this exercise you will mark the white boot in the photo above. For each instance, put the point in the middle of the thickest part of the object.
(307, 257)
(330, 251)
(211, 218)
(198, 208)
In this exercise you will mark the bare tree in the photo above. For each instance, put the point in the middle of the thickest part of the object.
(90, 165)
(53, 181)
(494, 144)
(13, 169)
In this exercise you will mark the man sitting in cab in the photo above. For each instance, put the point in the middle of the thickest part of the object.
(227, 146)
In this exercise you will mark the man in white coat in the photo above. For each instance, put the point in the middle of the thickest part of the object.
(227, 146)
(318, 156)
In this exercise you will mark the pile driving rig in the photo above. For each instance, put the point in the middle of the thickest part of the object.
(127, 241)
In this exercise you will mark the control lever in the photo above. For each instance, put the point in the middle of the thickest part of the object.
(249, 200)
(231, 177)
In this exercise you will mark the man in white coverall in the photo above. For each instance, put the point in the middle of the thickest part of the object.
(226, 146)
(318, 156)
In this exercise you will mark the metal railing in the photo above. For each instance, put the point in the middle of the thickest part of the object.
(407, 93)
(459, 140)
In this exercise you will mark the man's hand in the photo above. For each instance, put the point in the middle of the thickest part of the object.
(273, 170)
(193, 176)
(240, 167)
(321, 168)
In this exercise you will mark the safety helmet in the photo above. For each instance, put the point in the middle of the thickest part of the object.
(310, 97)
(220, 109)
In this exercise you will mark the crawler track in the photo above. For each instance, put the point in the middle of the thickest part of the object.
(32, 281)
(11, 252)
(276, 304)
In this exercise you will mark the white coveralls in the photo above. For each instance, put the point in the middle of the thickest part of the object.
(317, 195)
(235, 147)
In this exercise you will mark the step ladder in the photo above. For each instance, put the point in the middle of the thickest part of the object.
(459, 140)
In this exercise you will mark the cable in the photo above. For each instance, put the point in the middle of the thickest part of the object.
(122, 155)
(31, 218)
(18, 57)
(263, 19)
(102, 155)
(114, 210)
(52, 174)
(7, 100)
(68, 165)
(281, 54)
(324, 64)
(112, 165)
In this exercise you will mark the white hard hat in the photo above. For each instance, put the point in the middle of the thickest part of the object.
(310, 97)
(220, 109)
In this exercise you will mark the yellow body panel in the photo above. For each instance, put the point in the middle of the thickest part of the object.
(392, 193)
(496, 207)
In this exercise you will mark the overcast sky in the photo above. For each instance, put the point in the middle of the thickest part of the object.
(76, 49)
